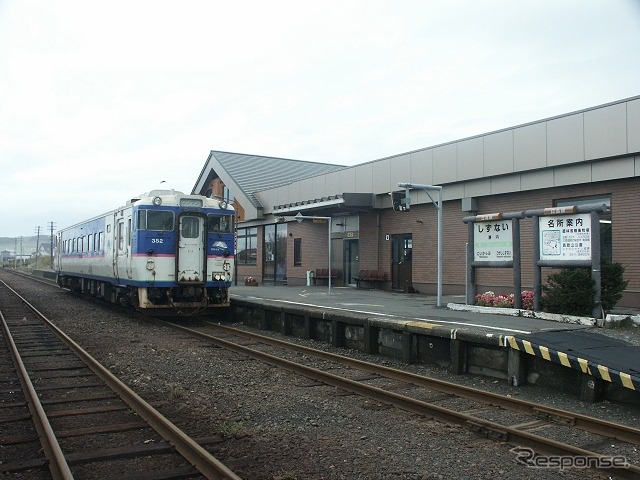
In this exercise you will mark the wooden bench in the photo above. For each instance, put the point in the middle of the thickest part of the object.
(323, 274)
(373, 276)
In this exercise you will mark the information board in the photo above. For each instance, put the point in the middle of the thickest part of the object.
(565, 237)
(493, 241)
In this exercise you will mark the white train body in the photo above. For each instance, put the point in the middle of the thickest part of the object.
(163, 250)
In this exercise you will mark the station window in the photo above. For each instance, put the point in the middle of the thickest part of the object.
(247, 246)
(156, 220)
(297, 251)
(606, 238)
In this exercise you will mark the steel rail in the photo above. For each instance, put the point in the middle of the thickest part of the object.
(203, 461)
(553, 415)
(480, 426)
(58, 465)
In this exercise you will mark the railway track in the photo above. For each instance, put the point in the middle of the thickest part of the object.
(540, 435)
(77, 420)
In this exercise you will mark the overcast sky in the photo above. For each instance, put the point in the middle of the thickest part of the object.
(101, 101)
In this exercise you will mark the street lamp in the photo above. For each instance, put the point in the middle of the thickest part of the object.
(438, 205)
(299, 218)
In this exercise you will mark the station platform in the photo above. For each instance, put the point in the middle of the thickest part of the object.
(574, 344)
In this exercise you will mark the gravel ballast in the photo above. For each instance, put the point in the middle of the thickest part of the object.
(276, 425)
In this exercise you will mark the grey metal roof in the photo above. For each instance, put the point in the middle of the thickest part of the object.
(253, 173)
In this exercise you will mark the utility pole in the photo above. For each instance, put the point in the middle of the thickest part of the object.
(51, 226)
(37, 244)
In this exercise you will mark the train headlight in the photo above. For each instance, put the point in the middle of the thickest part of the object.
(223, 204)
(157, 201)
(217, 277)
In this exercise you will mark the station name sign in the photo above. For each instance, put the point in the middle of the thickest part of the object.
(492, 239)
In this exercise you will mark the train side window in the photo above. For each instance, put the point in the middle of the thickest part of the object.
(99, 241)
(121, 236)
(89, 243)
(129, 233)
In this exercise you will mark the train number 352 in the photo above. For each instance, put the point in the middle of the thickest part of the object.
(157, 240)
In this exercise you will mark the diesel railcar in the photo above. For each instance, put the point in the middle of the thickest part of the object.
(164, 252)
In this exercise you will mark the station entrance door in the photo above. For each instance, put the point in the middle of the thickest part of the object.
(401, 267)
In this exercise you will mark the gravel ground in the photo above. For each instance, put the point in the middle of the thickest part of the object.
(274, 424)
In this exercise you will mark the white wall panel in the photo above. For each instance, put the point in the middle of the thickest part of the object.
(470, 158)
(572, 174)
(444, 164)
(505, 184)
(565, 140)
(422, 167)
(400, 170)
(347, 180)
(450, 192)
(333, 183)
(382, 175)
(498, 153)
(536, 180)
(364, 178)
(633, 126)
(612, 169)
(605, 131)
(530, 147)
(477, 188)
(306, 189)
(319, 183)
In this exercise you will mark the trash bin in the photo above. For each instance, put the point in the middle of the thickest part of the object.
(309, 278)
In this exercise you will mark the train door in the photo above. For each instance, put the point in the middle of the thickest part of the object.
(122, 266)
(190, 262)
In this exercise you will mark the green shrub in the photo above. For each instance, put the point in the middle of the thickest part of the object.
(571, 291)
(613, 284)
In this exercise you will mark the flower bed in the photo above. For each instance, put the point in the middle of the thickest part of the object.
(490, 299)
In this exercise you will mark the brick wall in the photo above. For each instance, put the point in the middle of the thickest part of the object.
(625, 230)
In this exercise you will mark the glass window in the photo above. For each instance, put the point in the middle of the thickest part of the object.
(274, 259)
(156, 220)
(121, 236)
(297, 251)
(220, 223)
(190, 227)
(247, 246)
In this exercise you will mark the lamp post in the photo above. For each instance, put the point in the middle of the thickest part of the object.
(299, 218)
(438, 204)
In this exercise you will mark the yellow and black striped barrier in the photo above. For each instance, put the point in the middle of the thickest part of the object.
(571, 361)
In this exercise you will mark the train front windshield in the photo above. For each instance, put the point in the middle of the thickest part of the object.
(220, 223)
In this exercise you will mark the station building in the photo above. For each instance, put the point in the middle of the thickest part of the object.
(583, 157)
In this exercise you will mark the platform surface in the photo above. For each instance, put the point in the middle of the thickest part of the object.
(574, 340)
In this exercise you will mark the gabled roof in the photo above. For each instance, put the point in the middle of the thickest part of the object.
(246, 174)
